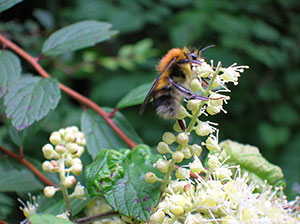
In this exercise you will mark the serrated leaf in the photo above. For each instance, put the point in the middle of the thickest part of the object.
(6, 4)
(30, 99)
(10, 70)
(99, 135)
(135, 96)
(47, 219)
(20, 137)
(77, 36)
(251, 161)
(119, 176)
(14, 180)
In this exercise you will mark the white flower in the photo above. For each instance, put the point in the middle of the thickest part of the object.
(232, 73)
(30, 207)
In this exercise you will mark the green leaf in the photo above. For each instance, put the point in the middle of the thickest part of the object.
(22, 136)
(30, 99)
(77, 36)
(10, 68)
(252, 162)
(6, 4)
(14, 180)
(119, 176)
(59, 207)
(47, 219)
(99, 135)
(135, 96)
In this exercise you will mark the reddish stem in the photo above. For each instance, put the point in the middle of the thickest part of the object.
(34, 170)
(2, 222)
(80, 98)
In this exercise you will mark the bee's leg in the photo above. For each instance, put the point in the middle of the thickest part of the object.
(181, 124)
(186, 92)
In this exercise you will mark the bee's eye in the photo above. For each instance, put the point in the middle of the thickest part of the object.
(193, 56)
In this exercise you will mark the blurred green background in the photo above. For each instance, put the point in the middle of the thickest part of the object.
(264, 34)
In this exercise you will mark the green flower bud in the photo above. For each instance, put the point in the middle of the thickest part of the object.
(150, 178)
(60, 149)
(72, 148)
(157, 217)
(69, 181)
(163, 148)
(162, 165)
(177, 127)
(182, 113)
(48, 151)
(76, 169)
(196, 150)
(69, 137)
(195, 85)
(193, 105)
(49, 191)
(55, 138)
(182, 138)
(69, 160)
(168, 138)
(177, 210)
(177, 157)
(46, 166)
(186, 152)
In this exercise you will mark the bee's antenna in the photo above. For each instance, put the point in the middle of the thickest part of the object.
(203, 48)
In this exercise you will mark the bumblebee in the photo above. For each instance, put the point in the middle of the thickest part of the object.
(175, 73)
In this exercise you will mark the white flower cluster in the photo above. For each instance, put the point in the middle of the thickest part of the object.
(221, 198)
(67, 145)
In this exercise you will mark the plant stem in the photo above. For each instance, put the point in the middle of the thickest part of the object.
(64, 190)
(89, 219)
(31, 167)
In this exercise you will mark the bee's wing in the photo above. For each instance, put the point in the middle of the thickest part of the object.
(148, 97)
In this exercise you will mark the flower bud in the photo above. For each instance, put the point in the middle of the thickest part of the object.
(62, 132)
(182, 113)
(177, 127)
(157, 217)
(196, 166)
(196, 150)
(168, 138)
(70, 137)
(49, 191)
(150, 178)
(69, 160)
(48, 151)
(69, 181)
(163, 148)
(182, 173)
(177, 210)
(212, 110)
(177, 157)
(186, 152)
(72, 148)
(55, 138)
(76, 169)
(182, 138)
(79, 152)
(60, 149)
(193, 105)
(46, 166)
(162, 165)
(76, 161)
(195, 85)
(54, 165)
